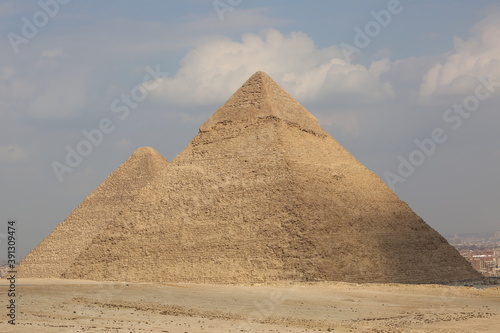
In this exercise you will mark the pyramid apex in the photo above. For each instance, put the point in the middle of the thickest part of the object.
(260, 74)
(145, 150)
(261, 80)
(146, 158)
(261, 97)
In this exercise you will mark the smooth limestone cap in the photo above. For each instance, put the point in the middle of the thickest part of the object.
(261, 97)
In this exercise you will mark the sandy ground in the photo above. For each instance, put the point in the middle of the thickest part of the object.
(83, 306)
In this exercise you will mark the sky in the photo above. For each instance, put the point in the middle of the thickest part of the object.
(410, 88)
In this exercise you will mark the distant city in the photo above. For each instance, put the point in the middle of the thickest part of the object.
(482, 250)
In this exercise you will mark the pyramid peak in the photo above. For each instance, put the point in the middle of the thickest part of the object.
(144, 160)
(261, 97)
(261, 81)
(260, 74)
(145, 150)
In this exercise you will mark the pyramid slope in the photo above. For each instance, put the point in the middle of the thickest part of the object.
(356, 228)
(60, 248)
(263, 200)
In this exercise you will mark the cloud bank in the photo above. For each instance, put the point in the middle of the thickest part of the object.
(471, 58)
(219, 66)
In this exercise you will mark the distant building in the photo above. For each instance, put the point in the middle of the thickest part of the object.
(486, 262)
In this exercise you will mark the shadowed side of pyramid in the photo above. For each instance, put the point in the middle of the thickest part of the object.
(52, 257)
(352, 227)
(261, 195)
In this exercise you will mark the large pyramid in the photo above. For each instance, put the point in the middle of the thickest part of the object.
(262, 193)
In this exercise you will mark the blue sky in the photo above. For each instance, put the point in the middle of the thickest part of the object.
(395, 90)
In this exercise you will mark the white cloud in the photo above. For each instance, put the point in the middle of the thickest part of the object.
(65, 90)
(477, 56)
(12, 153)
(124, 144)
(45, 87)
(219, 66)
(348, 121)
(14, 90)
(52, 53)
(65, 96)
(6, 73)
(7, 8)
(50, 58)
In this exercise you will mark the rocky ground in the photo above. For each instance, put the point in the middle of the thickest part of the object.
(45, 305)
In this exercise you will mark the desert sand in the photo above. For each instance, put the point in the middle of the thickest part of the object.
(61, 305)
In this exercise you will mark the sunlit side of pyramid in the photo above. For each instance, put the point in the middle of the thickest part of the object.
(105, 204)
(262, 193)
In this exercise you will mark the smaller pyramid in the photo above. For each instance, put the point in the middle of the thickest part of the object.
(62, 246)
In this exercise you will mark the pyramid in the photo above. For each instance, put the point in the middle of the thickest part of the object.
(62, 246)
(262, 193)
